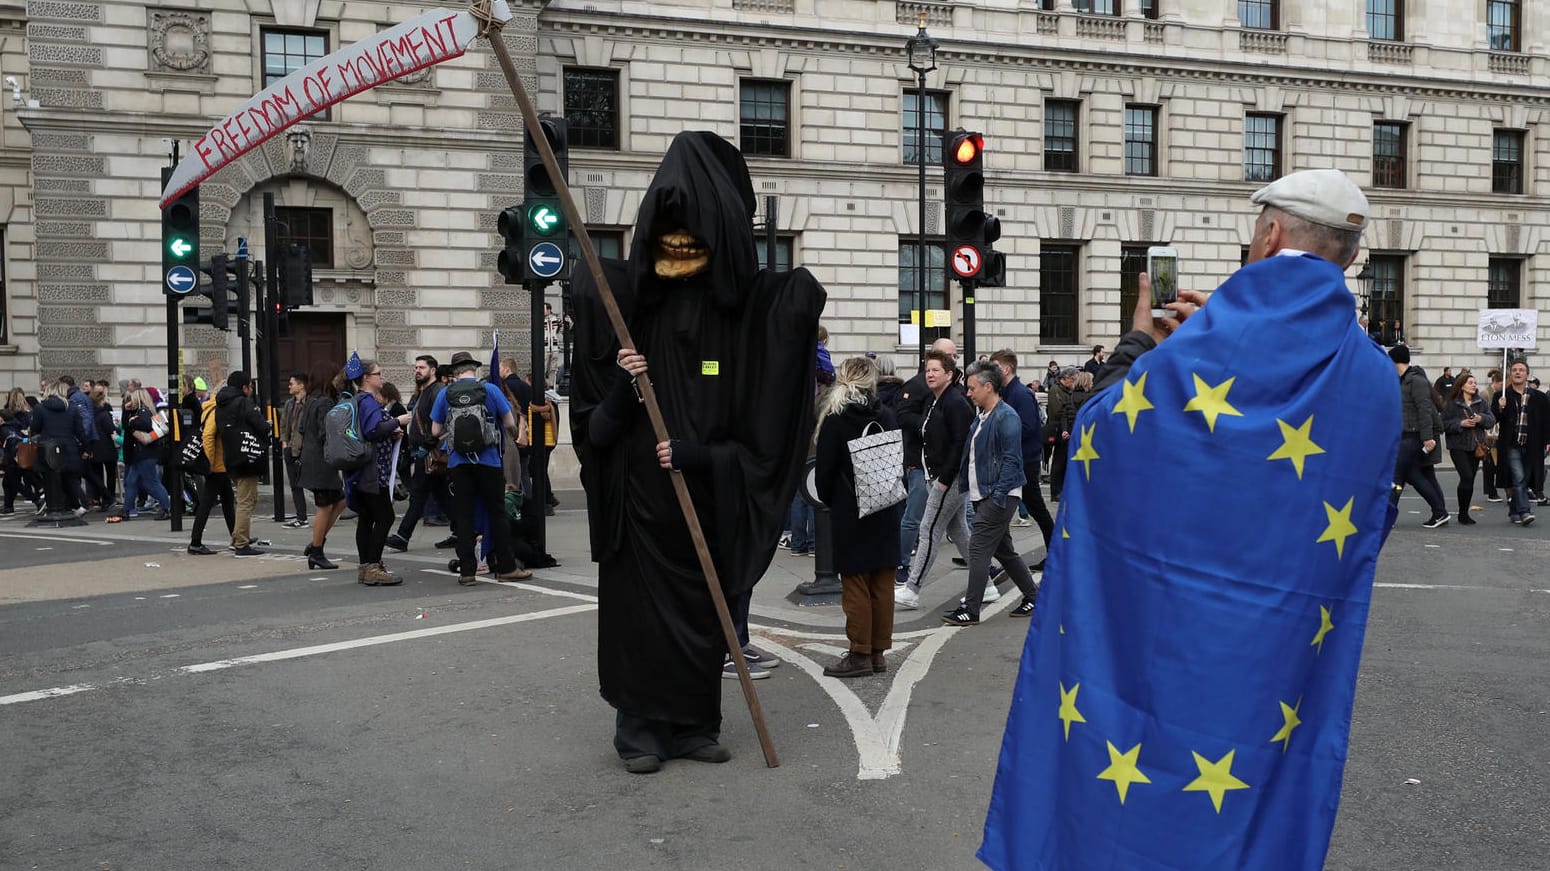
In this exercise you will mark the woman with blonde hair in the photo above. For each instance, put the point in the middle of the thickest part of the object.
(866, 549)
(59, 432)
(140, 458)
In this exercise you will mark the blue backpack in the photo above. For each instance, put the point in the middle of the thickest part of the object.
(343, 447)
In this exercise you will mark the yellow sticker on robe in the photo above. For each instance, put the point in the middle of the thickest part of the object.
(710, 367)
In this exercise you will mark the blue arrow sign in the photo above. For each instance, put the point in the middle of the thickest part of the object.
(547, 259)
(181, 280)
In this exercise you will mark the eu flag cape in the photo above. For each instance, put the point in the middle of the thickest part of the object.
(1185, 692)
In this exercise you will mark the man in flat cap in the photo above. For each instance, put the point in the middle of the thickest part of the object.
(1219, 527)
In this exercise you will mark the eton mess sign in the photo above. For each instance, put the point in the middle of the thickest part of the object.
(422, 42)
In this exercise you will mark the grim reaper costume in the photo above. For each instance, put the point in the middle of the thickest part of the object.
(729, 348)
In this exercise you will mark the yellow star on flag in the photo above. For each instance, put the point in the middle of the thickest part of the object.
(1215, 778)
(1212, 401)
(1122, 769)
(1297, 444)
(1085, 453)
(1068, 712)
(1340, 527)
(1325, 624)
(1289, 715)
(1134, 400)
(1065, 533)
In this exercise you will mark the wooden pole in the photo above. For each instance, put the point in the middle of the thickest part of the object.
(648, 395)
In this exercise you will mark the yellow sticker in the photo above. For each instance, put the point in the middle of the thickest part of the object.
(710, 367)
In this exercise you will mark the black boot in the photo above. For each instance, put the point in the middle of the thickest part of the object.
(316, 559)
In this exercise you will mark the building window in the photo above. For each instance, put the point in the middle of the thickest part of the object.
(1148, 8)
(785, 246)
(1386, 19)
(1098, 7)
(936, 126)
(592, 108)
(1503, 25)
(1504, 283)
(1061, 143)
(1047, 5)
(1261, 147)
(936, 284)
(1140, 140)
(1388, 154)
(608, 243)
(1507, 162)
(286, 51)
(1386, 315)
(313, 228)
(1058, 293)
(765, 110)
(1261, 14)
(1132, 265)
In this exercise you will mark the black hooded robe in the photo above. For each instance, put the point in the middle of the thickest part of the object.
(730, 353)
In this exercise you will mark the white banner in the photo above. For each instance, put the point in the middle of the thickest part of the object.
(433, 37)
(1508, 328)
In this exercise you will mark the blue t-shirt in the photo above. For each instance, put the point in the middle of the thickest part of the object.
(495, 403)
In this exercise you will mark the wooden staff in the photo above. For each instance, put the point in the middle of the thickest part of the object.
(648, 395)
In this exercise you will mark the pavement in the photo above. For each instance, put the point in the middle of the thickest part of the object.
(163, 711)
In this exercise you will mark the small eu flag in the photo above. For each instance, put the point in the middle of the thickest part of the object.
(1184, 699)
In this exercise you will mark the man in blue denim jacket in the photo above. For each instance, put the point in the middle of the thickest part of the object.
(992, 473)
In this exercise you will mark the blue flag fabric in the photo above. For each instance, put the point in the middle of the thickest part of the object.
(1185, 692)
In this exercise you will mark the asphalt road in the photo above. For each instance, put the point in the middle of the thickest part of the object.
(221, 713)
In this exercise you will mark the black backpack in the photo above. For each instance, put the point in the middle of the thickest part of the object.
(470, 424)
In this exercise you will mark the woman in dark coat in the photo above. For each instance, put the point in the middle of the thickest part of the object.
(866, 549)
(316, 475)
(102, 472)
(367, 490)
(1465, 417)
(59, 433)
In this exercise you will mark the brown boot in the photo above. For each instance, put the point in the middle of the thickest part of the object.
(360, 574)
(879, 665)
(851, 665)
(517, 574)
(378, 576)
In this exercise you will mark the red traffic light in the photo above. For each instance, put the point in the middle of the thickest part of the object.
(966, 149)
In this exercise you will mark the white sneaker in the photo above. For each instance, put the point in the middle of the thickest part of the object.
(906, 598)
(1022, 521)
(991, 594)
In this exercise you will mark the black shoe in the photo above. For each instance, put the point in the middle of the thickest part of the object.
(163, 515)
(960, 562)
(1526, 519)
(248, 550)
(548, 510)
(1436, 521)
(397, 542)
(449, 541)
(643, 765)
(316, 559)
(1466, 520)
(1037, 567)
(1492, 497)
(1024, 609)
(199, 550)
(961, 617)
(709, 753)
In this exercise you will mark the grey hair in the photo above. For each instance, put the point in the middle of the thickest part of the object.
(1333, 244)
(884, 364)
(1067, 372)
(987, 372)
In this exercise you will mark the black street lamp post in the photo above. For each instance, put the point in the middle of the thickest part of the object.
(921, 50)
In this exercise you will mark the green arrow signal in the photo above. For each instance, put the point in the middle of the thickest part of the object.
(180, 248)
(544, 219)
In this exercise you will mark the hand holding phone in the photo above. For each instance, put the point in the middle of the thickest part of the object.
(1162, 267)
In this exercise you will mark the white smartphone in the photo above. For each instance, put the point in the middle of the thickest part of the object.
(1162, 265)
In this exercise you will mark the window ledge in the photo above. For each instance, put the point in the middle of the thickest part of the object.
(10, 350)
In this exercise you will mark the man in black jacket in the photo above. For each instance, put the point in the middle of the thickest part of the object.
(944, 431)
(911, 410)
(427, 386)
(1524, 417)
(1420, 437)
(235, 414)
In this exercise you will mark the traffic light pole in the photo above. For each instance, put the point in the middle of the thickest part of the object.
(968, 286)
(269, 291)
(174, 408)
(538, 450)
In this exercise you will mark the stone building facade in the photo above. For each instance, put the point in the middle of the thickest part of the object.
(1111, 125)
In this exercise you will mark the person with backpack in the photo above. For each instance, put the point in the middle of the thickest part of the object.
(244, 437)
(216, 486)
(367, 488)
(471, 417)
(424, 480)
(314, 473)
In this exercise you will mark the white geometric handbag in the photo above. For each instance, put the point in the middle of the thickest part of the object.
(878, 461)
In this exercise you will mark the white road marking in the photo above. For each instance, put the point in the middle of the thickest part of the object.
(315, 650)
(248, 587)
(41, 537)
(1505, 549)
(877, 738)
(42, 548)
(1434, 545)
(485, 579)
(171, 596)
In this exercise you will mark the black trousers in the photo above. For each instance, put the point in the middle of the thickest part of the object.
(298, 493)
(1033, 497)
(638, 736)
(421, 488)
(1411, 469)
(475, 484)
(1057, 467)
(373, 524)
(217, 486)
(1466, 463)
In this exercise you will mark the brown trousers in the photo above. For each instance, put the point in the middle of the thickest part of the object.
(868, 603)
